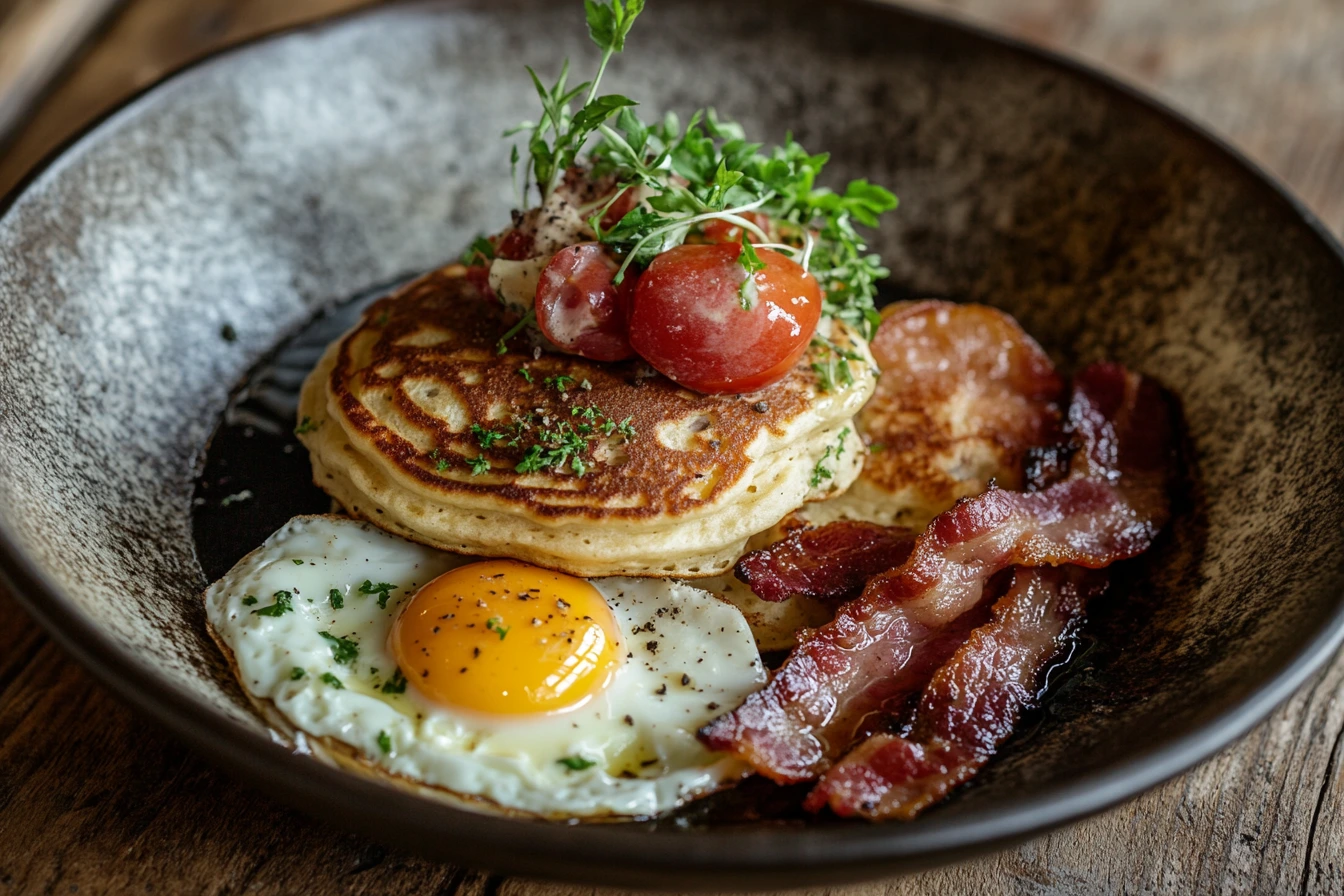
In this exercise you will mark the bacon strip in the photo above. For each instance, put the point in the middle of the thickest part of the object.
(971, 705)
(832, 563)
(881, 644)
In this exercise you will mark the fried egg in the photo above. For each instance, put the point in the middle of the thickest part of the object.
(497, 681)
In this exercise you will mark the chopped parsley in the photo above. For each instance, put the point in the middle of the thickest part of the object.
(343, 650)
(395, 685)
(560, 382)
(555, 448)
(250, 600)
(337, 601)
(328, 678)
(525, 374)
(495, 624)
(296, 673)
(440, 463)
(624, 429)
(822, 472)
(479, 464)
(306, 425)
(284, 603)
(382, 589)
(384, 742)
(576, 763)
(485, 437)
(297, 562)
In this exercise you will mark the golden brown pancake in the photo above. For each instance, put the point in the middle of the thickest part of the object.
(417, 422)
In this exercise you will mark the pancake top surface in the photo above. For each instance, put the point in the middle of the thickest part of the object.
(421, 383)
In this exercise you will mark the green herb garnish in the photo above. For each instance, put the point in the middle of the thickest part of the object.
(832, 368)
(283, 604)
(479, 464)
(384, 742)
(525, 373)
(343, 650)
(481, 251)
(249, 601)
(751, 263)
(822, 472)
(576, 763)
(560, 382)
(485, 437)
(395, 685)
(306, 425)
(337, 601)
(382, 589)
(296, 673)
(332, 680)
(495, 624)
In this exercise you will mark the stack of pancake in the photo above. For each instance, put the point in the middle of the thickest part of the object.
(421, 421)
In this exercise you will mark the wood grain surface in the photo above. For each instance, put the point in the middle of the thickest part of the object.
(93, 799)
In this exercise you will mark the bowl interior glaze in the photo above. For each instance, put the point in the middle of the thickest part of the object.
(263, 184)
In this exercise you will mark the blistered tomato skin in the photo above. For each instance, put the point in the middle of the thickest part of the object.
(580, 309)
(688, 322)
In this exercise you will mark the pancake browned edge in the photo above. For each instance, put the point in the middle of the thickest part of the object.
(672, 482)
(341, 755)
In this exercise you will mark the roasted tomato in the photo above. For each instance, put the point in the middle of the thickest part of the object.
(689, 322)
(624, 204)
(717, 230)
(580, 309)
(515, 245)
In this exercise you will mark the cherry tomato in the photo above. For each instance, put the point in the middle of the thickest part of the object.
(478, 275)
(580, 309)
(624, 204)
(515, 245)
(689, 323)
(718, 230)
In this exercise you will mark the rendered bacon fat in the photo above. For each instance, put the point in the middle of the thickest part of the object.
(831, 563)
(971, 705)
(1110, 508)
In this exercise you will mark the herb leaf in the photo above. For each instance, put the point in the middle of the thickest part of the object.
(343, 650)
(821, 471)
(395, 685)
(384, 742)
(337, 601)
(576, 763)
(328, 678)
(284, 603)
(382, 589)
(495, 624)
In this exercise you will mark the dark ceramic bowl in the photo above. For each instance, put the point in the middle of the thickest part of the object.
(266, 183)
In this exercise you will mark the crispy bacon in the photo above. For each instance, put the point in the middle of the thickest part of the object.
(882, 643)
(832, 563)
(971, 705)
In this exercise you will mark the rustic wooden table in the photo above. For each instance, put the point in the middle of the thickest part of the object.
(94, 800)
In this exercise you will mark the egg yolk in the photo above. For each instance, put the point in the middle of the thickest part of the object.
(505, 637)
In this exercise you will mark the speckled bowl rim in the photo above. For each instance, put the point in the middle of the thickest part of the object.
(726, 858)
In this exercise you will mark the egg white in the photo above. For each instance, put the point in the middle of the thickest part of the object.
(688, 657)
